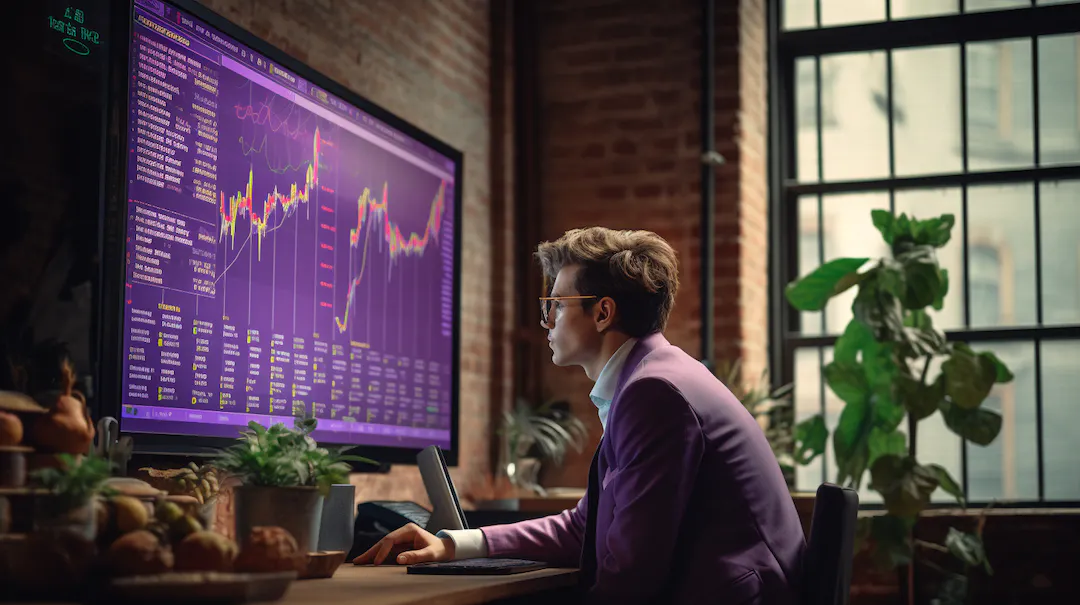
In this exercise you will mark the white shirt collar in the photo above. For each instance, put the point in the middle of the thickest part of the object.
(604, 390)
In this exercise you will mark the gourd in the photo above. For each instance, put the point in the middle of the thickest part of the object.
(50, 379)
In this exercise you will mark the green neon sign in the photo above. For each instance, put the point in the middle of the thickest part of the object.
(78, 38)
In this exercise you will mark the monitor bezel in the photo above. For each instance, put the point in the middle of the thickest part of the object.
(114, 216)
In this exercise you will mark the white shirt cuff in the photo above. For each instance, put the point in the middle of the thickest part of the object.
(468, 543)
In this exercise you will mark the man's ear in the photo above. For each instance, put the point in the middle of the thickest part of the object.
(604, 314)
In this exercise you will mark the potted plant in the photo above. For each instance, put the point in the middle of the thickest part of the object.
(71, 486)
(536, 433)
(880, 369)
(283, 476)
(772, 408)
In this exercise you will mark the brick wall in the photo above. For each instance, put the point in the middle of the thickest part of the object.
(430, 63)
(619, 86)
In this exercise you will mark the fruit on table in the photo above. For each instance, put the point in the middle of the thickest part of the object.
(131, 514)
(11, 429)
(138, 553)
(205, 551)
(270, 549)
(183, 527)
(168, 512)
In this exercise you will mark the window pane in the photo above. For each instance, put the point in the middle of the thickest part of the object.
(1059, 100)
(1001, 255)
(904, 9)
(931, 203)
(798, 14)
(806, 119)
(1008, 469)
(843, 12)
(926, 110)
(971, 6)
(809, 256)
(806, 396)
(999, 100)
(937, 444)
(849, 232)
(1061, 416)
(1059, 220)
(833, 407)
(856, 146)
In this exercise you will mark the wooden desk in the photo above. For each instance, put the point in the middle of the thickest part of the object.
(390, 585)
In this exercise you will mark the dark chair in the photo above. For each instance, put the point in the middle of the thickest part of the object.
(827, 561)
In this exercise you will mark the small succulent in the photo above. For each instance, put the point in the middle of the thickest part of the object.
(282, 457)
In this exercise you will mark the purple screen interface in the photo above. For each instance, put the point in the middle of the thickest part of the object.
(287, 254)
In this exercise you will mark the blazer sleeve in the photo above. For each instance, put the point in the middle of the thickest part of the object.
(658, 447)
(555, 539)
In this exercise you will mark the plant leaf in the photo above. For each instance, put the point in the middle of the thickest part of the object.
(884, 221)
(904, 484)
(1002, 374)
(939, 302)
(856, 338)
(979, 426)
(883, 443)
(947, 483)
(920, 399)
(968, 377)
(891, 536)
(848, 381)
(810, 438)
(811, 292)
(921, 277)
(850, 442)
(968, 548)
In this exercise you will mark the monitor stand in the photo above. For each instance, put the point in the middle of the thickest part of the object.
(446, 510)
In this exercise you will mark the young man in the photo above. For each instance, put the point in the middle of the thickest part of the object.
(686, 503)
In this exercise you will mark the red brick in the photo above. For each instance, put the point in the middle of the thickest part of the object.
(624, 147)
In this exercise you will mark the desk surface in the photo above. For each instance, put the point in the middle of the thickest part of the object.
(390, 585)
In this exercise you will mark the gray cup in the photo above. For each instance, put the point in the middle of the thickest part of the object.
(338, 512)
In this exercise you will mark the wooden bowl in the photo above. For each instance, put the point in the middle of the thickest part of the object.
(322, 564)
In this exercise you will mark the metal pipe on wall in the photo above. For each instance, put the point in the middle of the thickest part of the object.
(709, 159)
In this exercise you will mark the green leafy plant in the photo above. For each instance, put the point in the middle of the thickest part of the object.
(772, 408)
(74, 482)
(282, 457)
(550, 429)
(880, 370)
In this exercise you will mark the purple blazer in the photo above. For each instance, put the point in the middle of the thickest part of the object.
(691, 504)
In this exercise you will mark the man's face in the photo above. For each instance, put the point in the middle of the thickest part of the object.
(573, 333)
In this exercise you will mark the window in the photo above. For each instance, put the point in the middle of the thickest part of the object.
(922, 112)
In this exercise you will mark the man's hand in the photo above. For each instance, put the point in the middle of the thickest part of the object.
(412, 544)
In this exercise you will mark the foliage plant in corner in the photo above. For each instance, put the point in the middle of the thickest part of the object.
(282, 457)
(880, 370)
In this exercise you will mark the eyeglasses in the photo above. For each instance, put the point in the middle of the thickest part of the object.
(545, 305)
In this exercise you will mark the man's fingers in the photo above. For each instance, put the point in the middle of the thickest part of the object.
(378, 553)
(417, 556)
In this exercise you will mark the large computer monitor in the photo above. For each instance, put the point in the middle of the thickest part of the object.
(289, 249)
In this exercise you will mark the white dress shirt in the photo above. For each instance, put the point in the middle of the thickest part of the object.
(470, 543)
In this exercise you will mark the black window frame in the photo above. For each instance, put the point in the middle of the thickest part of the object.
(784, 48)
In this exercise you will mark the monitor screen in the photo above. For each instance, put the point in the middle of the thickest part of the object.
(287, 252)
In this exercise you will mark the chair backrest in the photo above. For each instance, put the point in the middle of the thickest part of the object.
(830, 549)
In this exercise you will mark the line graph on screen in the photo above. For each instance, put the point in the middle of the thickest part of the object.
(259, 209)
